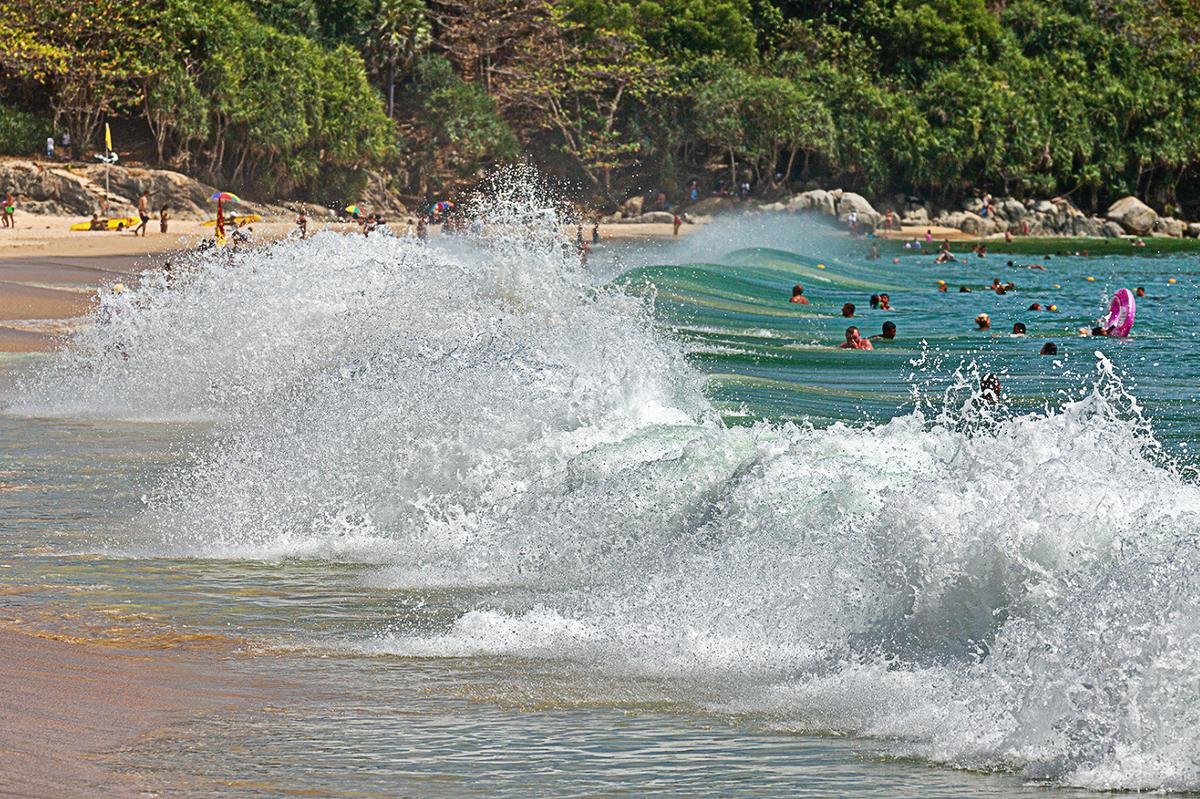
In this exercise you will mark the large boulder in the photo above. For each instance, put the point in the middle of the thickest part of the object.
(1193, 230)
(773, 207)
(1133, 215)
(817, 200)
(633, 206)
(849, 201)
(1168, 226)
(654, 217)
(1112, 230)
(917, 216)
(43, 189)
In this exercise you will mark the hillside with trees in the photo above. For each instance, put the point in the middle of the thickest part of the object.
(1092, 99)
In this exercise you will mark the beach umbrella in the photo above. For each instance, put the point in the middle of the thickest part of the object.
(444, 205)
(224, 197)
(353, 210)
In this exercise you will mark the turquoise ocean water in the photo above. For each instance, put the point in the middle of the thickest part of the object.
(499, 524)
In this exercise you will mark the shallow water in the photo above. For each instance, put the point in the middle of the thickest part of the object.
(507, 529)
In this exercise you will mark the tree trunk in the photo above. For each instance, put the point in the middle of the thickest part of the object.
(732, 172)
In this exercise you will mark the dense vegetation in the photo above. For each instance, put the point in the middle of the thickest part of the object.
(1092, 98)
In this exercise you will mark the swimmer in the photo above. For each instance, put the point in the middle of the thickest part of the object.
(1018, 328)
(944, 257)
(963, 290)
(989, 388)
(854, 341)
(1140, 292)
(1037, 266)
(889, 332)
(1049, 348)
(885, 303)
(874, 301)
(848, 310)
(942, 287)
(798, 295)
(995, 283)
(1037, 306)
(983, 321)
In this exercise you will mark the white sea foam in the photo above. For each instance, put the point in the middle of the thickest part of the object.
(981, 588)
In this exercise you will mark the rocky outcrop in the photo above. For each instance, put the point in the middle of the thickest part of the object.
(868, 217)
(1168, 226)
(633, 206)
(712, 205)
(79, 190)
(817, 200)
(1133, 215)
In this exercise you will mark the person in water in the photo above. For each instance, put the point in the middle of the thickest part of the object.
(1140, 292)
(855, 341)
(874, 301)
(1018, 328)
(983, 321)
(848, 310)
(889, 332)
(798, 295)
(885, 302)
(1049, 348)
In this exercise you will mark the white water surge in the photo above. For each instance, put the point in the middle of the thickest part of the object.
(1016, 593)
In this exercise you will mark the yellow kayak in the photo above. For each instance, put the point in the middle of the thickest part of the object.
(108, 224)
(243, 219)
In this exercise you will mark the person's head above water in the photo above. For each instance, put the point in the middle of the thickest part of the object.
(1037, 306)
(889, 330)
(1139, 291)
(1018, 328)
(797, 290)
(874, 301)
(848, 310)
(1049, 348)
(983, 321)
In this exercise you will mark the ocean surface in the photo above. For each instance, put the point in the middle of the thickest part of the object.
(503, 524)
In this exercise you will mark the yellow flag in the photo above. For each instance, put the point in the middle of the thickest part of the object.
(107, 138)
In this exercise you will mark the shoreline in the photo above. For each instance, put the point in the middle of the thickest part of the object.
(67, 704)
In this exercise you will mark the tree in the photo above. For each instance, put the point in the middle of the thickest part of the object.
(402, 32)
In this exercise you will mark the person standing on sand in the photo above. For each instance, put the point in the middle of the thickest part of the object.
(10, 209)
(164, 216)
(302, 224)
(676, 223)
(596, 233)
(422, 229)
(143, 213)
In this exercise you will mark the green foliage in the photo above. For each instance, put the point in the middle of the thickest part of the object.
(22, 133)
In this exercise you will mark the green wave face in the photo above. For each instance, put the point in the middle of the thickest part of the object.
(767, 357)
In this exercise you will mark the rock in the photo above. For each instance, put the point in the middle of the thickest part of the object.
(917, 216)
(975, 225)
(849, 201)
(773, 207)
(817, 200)
(1043, 207)
(654, 217)
(836, 194)
(633, 206)
(1193, 230)
(1133, 215)
(1112, 230)
(711, 205)
(1010, 210)
(379, 197)
(611, 218)
(1168, 226)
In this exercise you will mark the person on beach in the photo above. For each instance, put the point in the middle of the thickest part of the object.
(1049, 348)
(889, 219)
(302, 224)
(66, 146)
(164, 216)
(848, 310)
(97, 223)
(798, 297)
(422, 229)
(983, 321)
(596, 233)
(143, 213)
(676, 223)
(928, 236)
(889, 332)
(10, 210)
(1008, 237)
(855, 341)
(1018, 328)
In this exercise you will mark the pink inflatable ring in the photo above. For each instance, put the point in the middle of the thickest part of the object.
(1121, 313)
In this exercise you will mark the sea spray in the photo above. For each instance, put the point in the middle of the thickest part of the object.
(979, 586)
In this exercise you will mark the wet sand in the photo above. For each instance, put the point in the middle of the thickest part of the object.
(63, 705)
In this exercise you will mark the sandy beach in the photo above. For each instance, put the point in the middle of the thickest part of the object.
(66, 704)
(49, 274)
